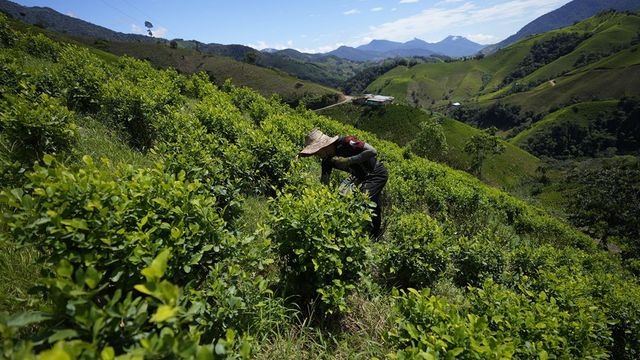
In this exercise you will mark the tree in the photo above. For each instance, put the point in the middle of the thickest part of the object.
(605, 203)
(481, 146)
(173, 44)
(430, 142)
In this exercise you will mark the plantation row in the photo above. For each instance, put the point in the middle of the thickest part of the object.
(150, 261)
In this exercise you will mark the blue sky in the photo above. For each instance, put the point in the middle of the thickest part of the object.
(309, 26)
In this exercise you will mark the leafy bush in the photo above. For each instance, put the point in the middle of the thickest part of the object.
(477, 260)
(417, 250)
(321, 239)
(81, 77)
(430, 327)
(41, 46)
(135, 95)
(103, 232)
(36, 124)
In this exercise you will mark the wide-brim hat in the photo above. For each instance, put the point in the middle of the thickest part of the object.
(315, 141)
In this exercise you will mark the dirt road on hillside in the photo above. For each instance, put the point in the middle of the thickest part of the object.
(347, 99)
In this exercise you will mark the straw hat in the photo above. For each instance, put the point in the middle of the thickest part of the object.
(315, 141)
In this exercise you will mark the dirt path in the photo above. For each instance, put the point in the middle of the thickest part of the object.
(347, 99)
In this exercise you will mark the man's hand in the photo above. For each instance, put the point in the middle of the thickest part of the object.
(341, 163)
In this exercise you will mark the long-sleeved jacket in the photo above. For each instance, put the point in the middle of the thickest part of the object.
(361, 158)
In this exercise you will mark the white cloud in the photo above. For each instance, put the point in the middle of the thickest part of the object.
(437, 18)
(377, 9)
(481, 38)
(320, 49)
(408, 1)
(72, 14)
(351, 12)
(260, 45)
(158, 32)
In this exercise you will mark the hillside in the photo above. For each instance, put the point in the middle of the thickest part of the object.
(594, 129)
(327, 70)
(566, 15)
(220, 68)
(401, 124)
(593, 59)
(150, 214)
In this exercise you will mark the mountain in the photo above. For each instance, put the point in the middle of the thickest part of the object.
(566, 15)
(594, 59)
(452, 46)
(48, 18)
(320, 68)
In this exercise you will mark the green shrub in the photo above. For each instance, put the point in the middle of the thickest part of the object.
(41, 46)
(476, 260)
(321, 241)
(105, 234)
(36, 124)
(430, 327)
(135, 96)
(417, 251)
(8, 36)
(81, 76)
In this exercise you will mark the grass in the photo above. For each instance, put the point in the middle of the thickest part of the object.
(98, 141)
(19, 271)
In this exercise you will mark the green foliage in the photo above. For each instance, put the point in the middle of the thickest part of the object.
(545, 52)
(430, 142)
(81, 77)
(155, 259)
(41, 46)
(417, 253)
(589, 131)
(35, 124)
(107, 234)
(605, 203)
(134, 96)
(321, 240)
(482, 146)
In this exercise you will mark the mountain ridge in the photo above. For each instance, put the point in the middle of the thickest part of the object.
(566, 15)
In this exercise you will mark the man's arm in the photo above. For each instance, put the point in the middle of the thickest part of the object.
(367, 153)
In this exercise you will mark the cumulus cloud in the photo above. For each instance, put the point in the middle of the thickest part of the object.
(440, 18)
(481, 38)
(351, 12)
(260, 45)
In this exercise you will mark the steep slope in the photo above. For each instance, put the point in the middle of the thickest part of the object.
(180, 255)
(579, 59)
(566, 15)
(401, 124)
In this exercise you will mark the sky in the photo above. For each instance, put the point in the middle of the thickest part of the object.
(309, 26)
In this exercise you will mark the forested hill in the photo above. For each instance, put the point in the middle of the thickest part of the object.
(149, 214)
(566, 15)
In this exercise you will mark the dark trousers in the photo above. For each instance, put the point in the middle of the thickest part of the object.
(373, 184)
